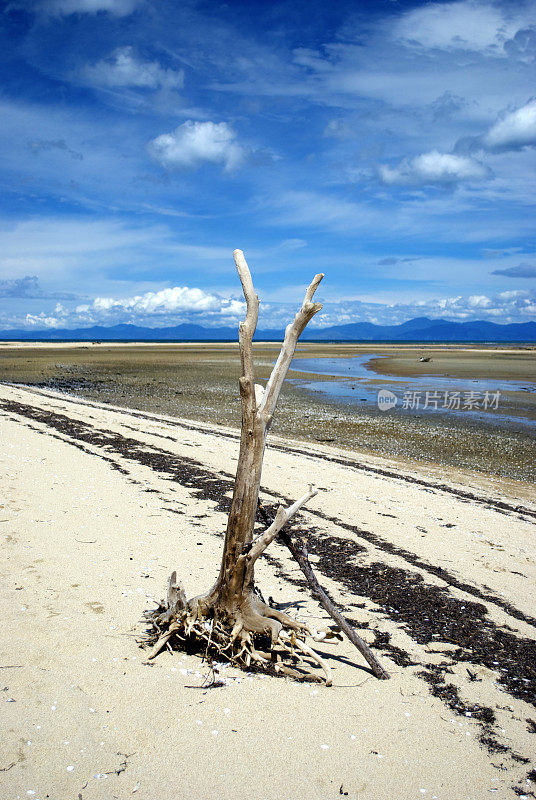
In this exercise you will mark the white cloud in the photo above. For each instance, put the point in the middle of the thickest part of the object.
(515, 130)
(42, 320)
(503, 308)
(21, 287)
(292, 244)
(523, 45)
(125, 68)
(165, 302)
(79, 248)
(478, 301)
(434, 168)
(466, 25)
(29, 288)
(180, 304)
(298, 208)
(193, 143)
(64, 8)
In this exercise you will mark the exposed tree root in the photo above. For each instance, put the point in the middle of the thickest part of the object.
(262, 639)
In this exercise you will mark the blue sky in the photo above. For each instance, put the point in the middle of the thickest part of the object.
(388, 144)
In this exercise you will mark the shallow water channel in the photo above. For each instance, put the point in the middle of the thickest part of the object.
(480, 398)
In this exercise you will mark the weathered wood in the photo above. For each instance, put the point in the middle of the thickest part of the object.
(300, 554)
(231, 617)
(258, 406)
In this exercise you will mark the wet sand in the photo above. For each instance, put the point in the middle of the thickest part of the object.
(199, 381)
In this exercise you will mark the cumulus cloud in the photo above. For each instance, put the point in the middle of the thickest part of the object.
(521, 271)
(446, 106)
(125, 68)
(435, 168)
(194, 143)
(463, 25)
(166, 302)
(505, 307)
(180, 304)
(514, 131)
(21, 287)
(177, 305)
(523, 45)
(42, 320)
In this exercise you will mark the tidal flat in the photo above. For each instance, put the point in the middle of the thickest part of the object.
(199, 381)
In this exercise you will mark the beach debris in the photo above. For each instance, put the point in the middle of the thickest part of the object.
(299, 552)
(232, 619)
(122, 766)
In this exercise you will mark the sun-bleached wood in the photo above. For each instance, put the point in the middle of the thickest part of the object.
(231, 618)
(299, 552)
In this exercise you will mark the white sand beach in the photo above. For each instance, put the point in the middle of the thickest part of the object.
(100, 504)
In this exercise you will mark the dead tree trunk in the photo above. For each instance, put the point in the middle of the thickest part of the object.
(231, 619)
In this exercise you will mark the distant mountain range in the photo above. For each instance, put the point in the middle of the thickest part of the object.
(420, 329)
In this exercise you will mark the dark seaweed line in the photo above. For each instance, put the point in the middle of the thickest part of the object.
(488, 502)
(439, 572)
(79, 430)
(130, 447)
(431, 614)
(370, 537)
(403, 596)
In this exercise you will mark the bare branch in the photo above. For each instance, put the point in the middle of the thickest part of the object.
(292, 334)
(299, 551)
(163, 640)
(316, 658)
(252, 300)
(313, 286)
(281, 518)
(246, 329)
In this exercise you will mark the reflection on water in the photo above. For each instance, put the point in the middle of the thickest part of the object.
(361, 385)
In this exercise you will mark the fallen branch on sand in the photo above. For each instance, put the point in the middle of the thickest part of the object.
(300, 554)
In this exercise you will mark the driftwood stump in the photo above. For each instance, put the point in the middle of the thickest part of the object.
(231, 620)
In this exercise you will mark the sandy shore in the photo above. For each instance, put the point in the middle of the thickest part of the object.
(437, 570)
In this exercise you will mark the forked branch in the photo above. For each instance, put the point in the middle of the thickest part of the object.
(282, 516)
(292, 334)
